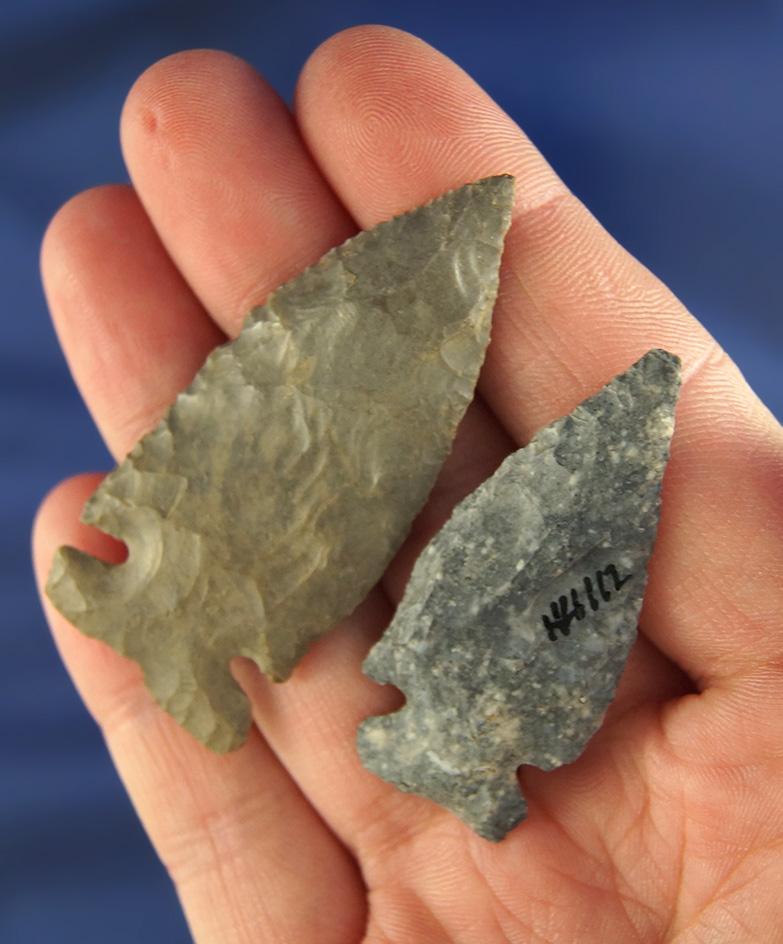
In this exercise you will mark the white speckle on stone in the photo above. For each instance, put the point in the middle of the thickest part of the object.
(376, 735)
(445, 766)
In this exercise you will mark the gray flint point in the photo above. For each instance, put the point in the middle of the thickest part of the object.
(519, 615)
(272, 495)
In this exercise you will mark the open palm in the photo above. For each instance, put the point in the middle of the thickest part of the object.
(670, 826)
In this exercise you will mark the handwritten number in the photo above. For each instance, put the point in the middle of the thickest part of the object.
(579, 610)
(560, 619)
(594, 604)
(599, 578)
(562, 616)
(611, 571)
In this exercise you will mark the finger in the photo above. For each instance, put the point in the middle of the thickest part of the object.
(132, 331)
(218, 163)
(250, 858)
(392, 122)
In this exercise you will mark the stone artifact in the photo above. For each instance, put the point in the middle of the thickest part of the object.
(518, 616)
(272, 495)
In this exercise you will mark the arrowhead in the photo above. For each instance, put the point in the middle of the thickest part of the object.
(272, 495)
(519, 615)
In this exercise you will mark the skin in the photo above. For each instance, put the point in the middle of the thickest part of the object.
(670, 825)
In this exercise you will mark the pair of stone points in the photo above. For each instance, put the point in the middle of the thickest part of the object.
(274, 492)
(271, 496)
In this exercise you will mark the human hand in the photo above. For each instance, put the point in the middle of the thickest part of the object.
(670, 825)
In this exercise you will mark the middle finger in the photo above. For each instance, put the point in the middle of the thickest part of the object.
(220, 168)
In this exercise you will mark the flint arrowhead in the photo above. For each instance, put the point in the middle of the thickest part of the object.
(272, 495)
(519, 615)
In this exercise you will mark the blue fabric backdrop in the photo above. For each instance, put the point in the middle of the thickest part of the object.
(664, 117)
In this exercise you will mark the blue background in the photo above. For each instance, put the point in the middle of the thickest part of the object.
(664, 117)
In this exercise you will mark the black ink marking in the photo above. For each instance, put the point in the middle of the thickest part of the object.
(594, 604)
(579, 610)
(562, 616)
(611, 571)
(606, 595)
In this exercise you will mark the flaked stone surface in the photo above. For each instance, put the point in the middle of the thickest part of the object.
(519, 615)
(272, 495)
